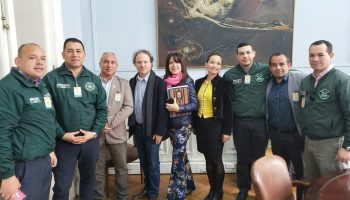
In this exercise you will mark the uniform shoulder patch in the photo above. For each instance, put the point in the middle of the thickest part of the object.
(324, 94)
(259, 78)
(90, 86)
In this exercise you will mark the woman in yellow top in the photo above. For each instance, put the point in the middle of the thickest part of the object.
(213, 122)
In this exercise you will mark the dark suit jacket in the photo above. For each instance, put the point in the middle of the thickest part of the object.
(222, 102)
(158, 115)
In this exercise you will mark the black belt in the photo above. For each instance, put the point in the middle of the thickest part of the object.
(285, 130)
(138, 125)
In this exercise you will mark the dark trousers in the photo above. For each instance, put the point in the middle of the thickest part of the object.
(148, 152)
(35, 178)
(290, 147)
(250, 139)
(68, 154)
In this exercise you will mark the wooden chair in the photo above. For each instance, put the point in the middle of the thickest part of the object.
(333, 186)
(132, 156)
(271, 180)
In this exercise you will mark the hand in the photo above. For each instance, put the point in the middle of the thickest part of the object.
(88, 135)
(157, 139)
(106, 129)
(343, 155)
(225, 138)
(53, 159)
(71, 138)
(9, 188)
(173, 107)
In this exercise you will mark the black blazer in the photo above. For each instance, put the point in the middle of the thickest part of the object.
(222, 102)
(158, 115)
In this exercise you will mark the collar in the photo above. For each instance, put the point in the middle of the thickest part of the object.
(329, 68)
(140, 79)
(64, 70)
(250, 69)
(105, 80)
(285, 79)
(36, 82)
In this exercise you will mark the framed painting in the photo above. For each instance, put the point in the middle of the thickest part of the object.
(197, 28)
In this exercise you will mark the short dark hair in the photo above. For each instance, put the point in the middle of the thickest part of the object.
(75, 40)
(328, 44)
(139, 52)
(243, 44)
(279, 54)
(215, 54)
(177, 58)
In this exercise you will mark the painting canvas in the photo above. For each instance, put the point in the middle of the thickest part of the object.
(197, 28)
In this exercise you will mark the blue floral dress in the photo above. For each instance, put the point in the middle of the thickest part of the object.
(181, 178)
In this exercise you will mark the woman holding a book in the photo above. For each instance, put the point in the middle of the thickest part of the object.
(213, 122)
(182, 101)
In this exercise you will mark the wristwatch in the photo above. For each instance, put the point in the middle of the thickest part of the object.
(95, 134)
(347, 149)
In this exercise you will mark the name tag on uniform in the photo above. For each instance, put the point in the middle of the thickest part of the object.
(34, 100)
(247, 79)
(77, 92)
(48, 102)
(295, 97)
(117, 97)
(303, 97)
(61, 85)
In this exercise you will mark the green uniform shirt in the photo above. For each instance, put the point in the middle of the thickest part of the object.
(249, 97)
(326, 112)
(28, 127)
(87, 111)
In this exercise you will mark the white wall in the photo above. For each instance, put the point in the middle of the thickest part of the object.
(30, 13)
(316, 20)
(131, 25)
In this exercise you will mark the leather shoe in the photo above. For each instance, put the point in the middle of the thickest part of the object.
(242, 195)
(217, 195)
(141, 194)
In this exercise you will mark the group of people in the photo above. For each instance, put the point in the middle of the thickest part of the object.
(71, 116)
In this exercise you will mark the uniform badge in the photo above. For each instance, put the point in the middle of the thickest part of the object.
(324, 94)
(236, 81)
(90, 86)
(259, 78)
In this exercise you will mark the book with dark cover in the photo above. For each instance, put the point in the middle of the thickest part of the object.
(181, 94)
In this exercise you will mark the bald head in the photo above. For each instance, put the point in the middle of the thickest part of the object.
(22, 48)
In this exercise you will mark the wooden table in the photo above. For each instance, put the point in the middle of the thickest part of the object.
(334, 186)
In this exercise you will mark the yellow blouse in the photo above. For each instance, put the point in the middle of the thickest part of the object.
(205, 99)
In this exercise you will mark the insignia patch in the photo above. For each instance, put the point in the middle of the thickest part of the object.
(90, 86)
(259, 78)
(34, 100)
(236, 81)
(324, 94)
(61, 85)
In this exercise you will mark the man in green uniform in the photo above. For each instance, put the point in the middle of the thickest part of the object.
(325, 102)
(250, 136)
(27, 128)
(80, 102)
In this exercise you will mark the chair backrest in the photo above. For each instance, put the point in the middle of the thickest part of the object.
(271, 180)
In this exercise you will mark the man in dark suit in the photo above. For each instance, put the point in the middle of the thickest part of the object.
(283, 113)
(148, 121)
